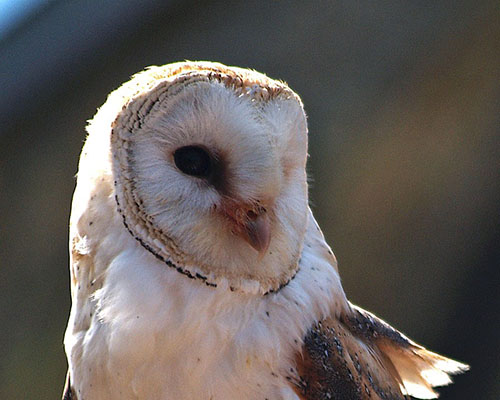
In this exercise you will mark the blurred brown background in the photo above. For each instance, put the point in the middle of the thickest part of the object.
(403, 101)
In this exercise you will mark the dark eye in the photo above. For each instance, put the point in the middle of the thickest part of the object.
(193, 160)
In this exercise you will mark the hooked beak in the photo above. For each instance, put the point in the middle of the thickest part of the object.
(257, 233)
(252, 224)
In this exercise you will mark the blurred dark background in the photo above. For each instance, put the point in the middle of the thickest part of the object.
(403, 102)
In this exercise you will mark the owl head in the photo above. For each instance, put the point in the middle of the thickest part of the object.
(206, 167)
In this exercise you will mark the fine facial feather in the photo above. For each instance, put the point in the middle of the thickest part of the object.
(262, 153)
(173, 298)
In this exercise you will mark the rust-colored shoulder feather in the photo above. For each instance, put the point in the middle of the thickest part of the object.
(358, 356)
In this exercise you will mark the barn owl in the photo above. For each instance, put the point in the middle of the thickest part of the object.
(197, 268)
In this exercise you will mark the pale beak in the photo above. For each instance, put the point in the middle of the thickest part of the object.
(257, 232)
(251, 223)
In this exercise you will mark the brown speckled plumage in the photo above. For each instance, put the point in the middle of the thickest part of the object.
(343, 359)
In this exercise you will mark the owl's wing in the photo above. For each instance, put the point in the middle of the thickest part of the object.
(359, 356)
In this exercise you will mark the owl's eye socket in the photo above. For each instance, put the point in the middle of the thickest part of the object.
(193, 160)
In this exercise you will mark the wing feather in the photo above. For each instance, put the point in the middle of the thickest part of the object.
(358, 356)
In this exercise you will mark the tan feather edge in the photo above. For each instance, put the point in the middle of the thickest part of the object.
(359, 357)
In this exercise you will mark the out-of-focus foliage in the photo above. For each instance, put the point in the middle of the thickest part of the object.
(403, 105)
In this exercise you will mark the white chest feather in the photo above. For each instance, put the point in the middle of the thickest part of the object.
(150, 332)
